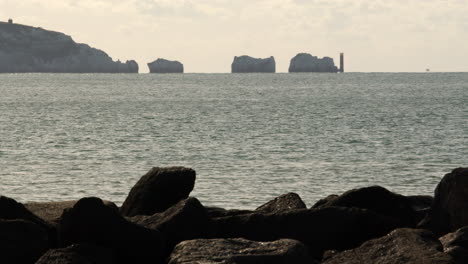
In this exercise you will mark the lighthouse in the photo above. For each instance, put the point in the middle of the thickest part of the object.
(341, 62)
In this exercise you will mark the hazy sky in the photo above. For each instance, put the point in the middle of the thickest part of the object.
(377, 35)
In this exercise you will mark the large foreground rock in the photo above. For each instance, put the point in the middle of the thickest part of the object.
(456, 244)
(165, 66)
(77, 254)
(29, 49)
(240, 251)
(246, 64)
(158, 190)
(449, 210)
(186, 220)
(304, 62)
(92, 222)
(322, 229)
(402, 246)
(22, 241)
(379, 200)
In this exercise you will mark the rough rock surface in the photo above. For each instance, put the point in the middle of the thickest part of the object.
(240, 251)
(51, 211)
(449, 210)
(322, 229)
(158, 190)
(77, 254)
(246, 64)
(456, 244)
(379, 200)
(22, 241)
(185, 220)
(221, 212)
(165, 66)
(304, 62)
(402, 246)
(285, 202)
(92, 222)
(30, 49)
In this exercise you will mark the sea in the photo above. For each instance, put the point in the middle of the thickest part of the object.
(249, 137)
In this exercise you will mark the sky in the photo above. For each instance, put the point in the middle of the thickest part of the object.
(205, 35)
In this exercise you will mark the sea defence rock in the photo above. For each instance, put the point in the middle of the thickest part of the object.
(30, 49)
(379, 200)
(402, 246)
(92, 222)
(165, 66)
(77, 254)
(246, 64)
(304, 62)
(449, 211)
(285, 202)
(240, 251)
(158, 190)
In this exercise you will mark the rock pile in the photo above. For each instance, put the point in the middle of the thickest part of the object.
(160, 223)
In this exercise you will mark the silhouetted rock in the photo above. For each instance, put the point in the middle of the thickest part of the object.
(304, 62)
(51, 211)
(185, 220)
(221, 212)
(402, 246)
(321, 229)
(240, 251)
(158, 190)
(285, 202)
(22, 241)
(29, 49)
(245, 64)
(379, 200)
(11, 210)
(92, 222)
(165, 66)
(77, 254)
(449, 210)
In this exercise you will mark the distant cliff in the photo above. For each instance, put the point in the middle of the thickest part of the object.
(248, 64)
(165, 66)
(304, 62)
(30, 49)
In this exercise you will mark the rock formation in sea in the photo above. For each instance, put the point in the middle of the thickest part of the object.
(243, 64)
(304, 62)
(31, 49)
(165, 66)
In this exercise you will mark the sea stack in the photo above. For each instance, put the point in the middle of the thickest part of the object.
(245, 64)
(304, 62)
(30, 49)
(165, 66)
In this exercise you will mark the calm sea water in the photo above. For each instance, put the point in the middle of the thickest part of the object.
(250, 137)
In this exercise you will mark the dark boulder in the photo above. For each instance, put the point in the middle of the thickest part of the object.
(456, 244)
(285, 202)
(77, 254)
(185, 220)
(158, 190)
(321, 229)
(22, 241)
(92, 222)
(379, 200)
(221, 212)
(449, 210)
(51, 211)
(402, 246)
(11, 209)
(240, 251)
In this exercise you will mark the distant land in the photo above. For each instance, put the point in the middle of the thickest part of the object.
(31, 49)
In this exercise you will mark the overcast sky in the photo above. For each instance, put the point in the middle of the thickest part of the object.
(375, 35)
